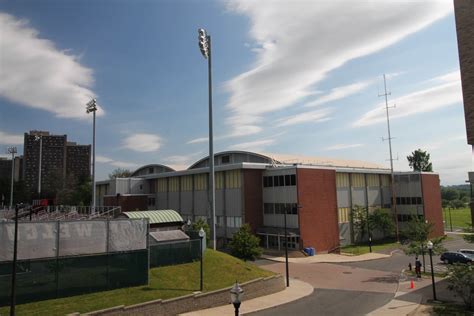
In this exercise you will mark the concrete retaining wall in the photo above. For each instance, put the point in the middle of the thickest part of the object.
(252, 289)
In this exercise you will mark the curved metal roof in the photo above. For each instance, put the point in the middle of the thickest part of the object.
(157, 216)
(268, 159)
(159, 166)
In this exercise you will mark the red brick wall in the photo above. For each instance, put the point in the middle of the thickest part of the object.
(432, 203)
(317, 199)
(253, 198)
(128, 202)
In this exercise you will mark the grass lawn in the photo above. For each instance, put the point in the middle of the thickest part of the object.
(220, 270)
(460, 217)
(360, 249)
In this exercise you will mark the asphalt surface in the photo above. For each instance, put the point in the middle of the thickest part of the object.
(332, 302)
(353, 288)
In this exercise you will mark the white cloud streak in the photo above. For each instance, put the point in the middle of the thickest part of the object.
(448, 92)
(255, 146)
(343, 146)
(115, 163)
(10, 139)
(143, 142)
(340, 93)
(36, 74)
(299, 42)
(317, 116)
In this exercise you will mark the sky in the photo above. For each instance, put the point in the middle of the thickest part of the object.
(289, 77)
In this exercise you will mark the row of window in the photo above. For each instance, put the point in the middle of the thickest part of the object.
(279, 181)
(358, 180)
(185, 183)
(232, 221)
(409, 200)
(279, 208)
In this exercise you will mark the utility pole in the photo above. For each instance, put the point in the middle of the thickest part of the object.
(392, 184)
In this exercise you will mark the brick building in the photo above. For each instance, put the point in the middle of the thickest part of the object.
(464, 14)
(256, 189)
(60, 161)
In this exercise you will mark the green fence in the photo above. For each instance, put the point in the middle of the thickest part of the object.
(67, 276)
(174, 253)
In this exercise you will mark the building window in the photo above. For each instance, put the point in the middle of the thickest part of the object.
(287, 180)
(232, 179)
(342, 180)
(200, 182)
(268, 208)
(161, 185)
(343, 215)
(293, 179)
(150, 170)
(151, 201)
(234, 221)
(186, 183)
(225, 159)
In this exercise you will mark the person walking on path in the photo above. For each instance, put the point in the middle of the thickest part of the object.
(418, 267)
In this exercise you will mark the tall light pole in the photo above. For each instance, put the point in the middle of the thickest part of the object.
(12, 151)
(430, 249)
(205, 47)
(91, 106)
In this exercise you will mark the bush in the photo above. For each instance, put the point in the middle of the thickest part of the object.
(245, 245)
(461, 282)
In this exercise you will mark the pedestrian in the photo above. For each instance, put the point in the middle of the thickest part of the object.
(418, 267)
(409, 266)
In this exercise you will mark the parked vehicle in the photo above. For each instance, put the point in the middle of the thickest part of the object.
(469, 252)
(455, 257)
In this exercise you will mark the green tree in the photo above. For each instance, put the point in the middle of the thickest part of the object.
(417, 232)
(359, 221)
(419, 160)
(201, 223)
(382, 220)
(244, 244)
(449, 194)
(461, 282)
(120, 173)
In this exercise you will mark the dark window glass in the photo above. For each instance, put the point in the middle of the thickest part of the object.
(293, 179)
(265, 182)
(403, 201)
(398, 201)
(413, 201)
(281, 179)
(225, 159)
(287, 180)
(276, 182)
(294, 208)
(150, 170)
(268, 208)
(418, 200)
(278, 208)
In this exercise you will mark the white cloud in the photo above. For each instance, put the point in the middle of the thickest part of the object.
(115, 163)
(447, 93)
(142, 142)
(317, 116)
(340, 93)
(198, 140)
(34, 73)
(299, 42)
(343, 146)
(10, 139)
(254, 146)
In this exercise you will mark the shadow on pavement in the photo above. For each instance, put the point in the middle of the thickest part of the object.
(384, 279)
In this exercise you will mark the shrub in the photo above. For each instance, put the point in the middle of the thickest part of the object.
(461, 282)
(245, 245)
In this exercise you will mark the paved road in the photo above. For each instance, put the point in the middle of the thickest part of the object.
(332, 302)
(351, 288)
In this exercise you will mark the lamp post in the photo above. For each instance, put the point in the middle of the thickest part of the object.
(205, 47)
(430, 249)
(40, 139)
(91, 106)
(12, 151)
(201, 236)
(236, 293)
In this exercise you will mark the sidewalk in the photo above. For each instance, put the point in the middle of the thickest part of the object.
(330, 258)
(298, 289)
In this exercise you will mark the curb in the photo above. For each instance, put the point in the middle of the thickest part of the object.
(281, 259)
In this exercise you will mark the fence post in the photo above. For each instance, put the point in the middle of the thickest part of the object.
(148, 248)
(107, 237)
(58, 227)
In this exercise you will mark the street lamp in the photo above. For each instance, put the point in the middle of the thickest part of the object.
(40, 139)
(201, 236)
(430, 249)
(91, 106)
(12, 151)
(205, 47)
(236, 293)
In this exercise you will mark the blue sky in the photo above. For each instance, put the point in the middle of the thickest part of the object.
(290, 77)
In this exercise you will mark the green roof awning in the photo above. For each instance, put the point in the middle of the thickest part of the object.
(157, 217)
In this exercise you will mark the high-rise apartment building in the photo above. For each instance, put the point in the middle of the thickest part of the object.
(54, 160)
